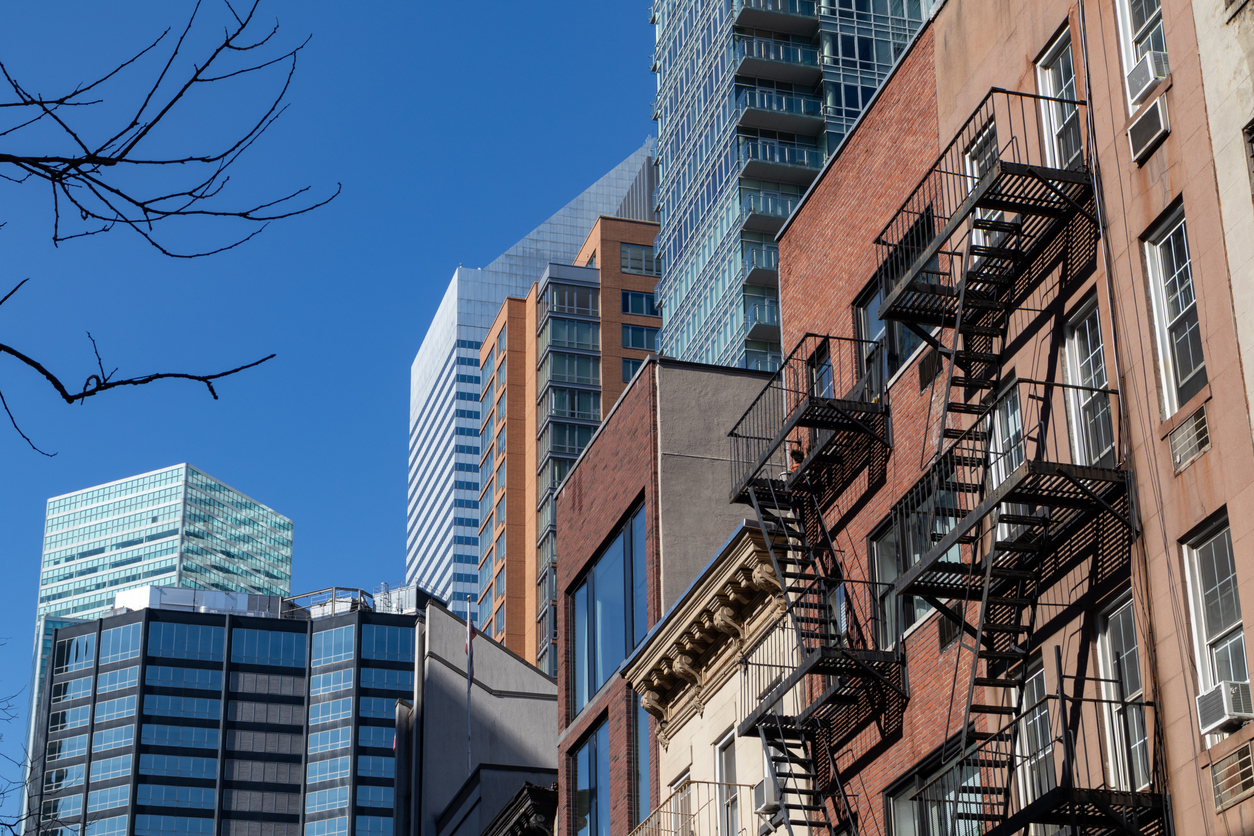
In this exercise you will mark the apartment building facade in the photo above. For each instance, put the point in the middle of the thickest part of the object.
(548, 364)
(753, 96)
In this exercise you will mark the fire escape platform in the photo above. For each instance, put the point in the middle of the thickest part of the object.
(1094, 811)
(1066, 495)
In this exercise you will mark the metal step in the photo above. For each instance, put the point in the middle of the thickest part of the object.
(966, 408)
(1006, 710)
(1003, 253)
(964, 382)
(1006, 629)
(997, 225)
(1003, 655)
(959, 432)
(994, 682)
(981, 330)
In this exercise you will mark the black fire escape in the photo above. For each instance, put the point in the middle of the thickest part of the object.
(819, 424)
(1014, 498)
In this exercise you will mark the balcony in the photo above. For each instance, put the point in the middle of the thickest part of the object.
(762, 322)
(765, 159)
(766, 213)
(759, 264)
(778, 60)
(1067, 763)
(779, 111)
(1016, 485)
(798, 17)
(1000, 195)
(702, 808)
(823, 407)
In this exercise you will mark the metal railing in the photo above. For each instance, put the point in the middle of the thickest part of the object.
(778, 103)
(745, 46)
(774, 205)
(818, 367)
(758, 256)
(1058, 745)
(1009, 127)
(761, 314)
(334, 600)
(805, 8)
(764, 150)
(702, 808)
(1026, 423)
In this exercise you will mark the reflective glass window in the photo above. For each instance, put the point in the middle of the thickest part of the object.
(268, 647)
(325, 712)
(379, 641)
(70, 718)
(333, 645)
(326, 683)
(182, 736)
(118, 680)
(332, 739)
(329, 770)
(106, 768)
(108, 798)
(328, 827)
(374, 766)
(167, 795)
(75, 689)
(373, 826)
(328, 799)
(382, 707)
(592, 785)
(370, 796)
(210, 680)
(186, 641)
(116, 738)
(120, 643)
(64, 777)
(149, 825)
(113, 709)
(164, 705)
(376, 737)
(177, 766)
(74, 654)
(69, 747)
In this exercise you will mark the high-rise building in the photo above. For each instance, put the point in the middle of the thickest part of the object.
(442, 534)
(752, 97)
(549, 364)
(172, 527)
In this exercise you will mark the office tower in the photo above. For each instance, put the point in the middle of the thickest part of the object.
(176, 527)
(442, 542)
(753, 96)
(193, 712)
(549, 365)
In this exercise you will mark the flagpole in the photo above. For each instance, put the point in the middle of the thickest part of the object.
(470, 678)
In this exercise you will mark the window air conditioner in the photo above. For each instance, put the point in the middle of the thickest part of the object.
(765, 800)
(1225, 705)
(1150, 129)
(1148, 71)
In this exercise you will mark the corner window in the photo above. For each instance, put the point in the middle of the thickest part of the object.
(1179, 332)
(1056, 79)
(1216, 608)
(592, 785)
(609, 610)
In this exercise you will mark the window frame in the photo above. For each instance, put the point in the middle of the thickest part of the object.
(1152, 248)
(1203, 645)
(1055, 116)
(1114, 739)
(1076, 398)
(1127, 42)
(728, 793)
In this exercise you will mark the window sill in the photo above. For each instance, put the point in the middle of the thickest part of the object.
(1184, 412)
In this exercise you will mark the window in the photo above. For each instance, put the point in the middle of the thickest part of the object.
(640, 304)
(74, 654)
(895, 616)
(571, 368)
(373, 766)
(630, 367)
(634, 258)
(113, 709)
(574, 403)
(377, 737)
(180, 736)
(571, 333)
(330, 799)
(186, 641)
(120, 643)
(1141, 31)
(325, 741)
(370, 796)
(75, 689)
(329, 770)
(1217, 609)
(380, 641)
(1182, 366)
(283, 714)
(103, 770)
(728, 794)
(252, 801)
(269, 683)
(333, 645)
(1126, 737)
(114, 826)
(638, 336)
(326, 683)
(610, 610)
(1093, 439)
(390, 680)
(565, 439)
(174, 766)
(64, 807)
(500, 623)
(1056, 79)
(328, 827)
(146, 825)
(268, 647)
(374, 826)
(895, 342)
(70, 747)
(70, 718)
(64, 778)
(641, 785)
(109, 798)
(574, 299)
(164, 705)
(119, 680)
(267, 772)
(1036, 747)
(102, 741)
(592, 784)
(166, 795)
(381, 707)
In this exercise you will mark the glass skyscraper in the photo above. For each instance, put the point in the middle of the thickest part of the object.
(443, 548)
(752, 98)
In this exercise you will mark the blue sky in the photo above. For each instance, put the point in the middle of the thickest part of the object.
(455, 128)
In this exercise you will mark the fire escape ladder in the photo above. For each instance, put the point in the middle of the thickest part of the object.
(788, 746)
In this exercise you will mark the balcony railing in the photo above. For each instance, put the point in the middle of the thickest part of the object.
(765, 151)
(778, 51)
(758, 257)
(804, 8)
(703, 808)
(1064, 761)
(825, 386)
(1019, 165)
(1018, 460)
(778, 103)
(762, 314)
(776, 206)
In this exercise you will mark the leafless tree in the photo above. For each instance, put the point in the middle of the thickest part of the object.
(105, 151)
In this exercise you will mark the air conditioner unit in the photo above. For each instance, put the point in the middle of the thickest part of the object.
(1227, 704)
(1150, 129)
(765, 799)
(1148, 71)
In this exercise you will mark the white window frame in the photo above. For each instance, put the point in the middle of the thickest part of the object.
(1127, 48)
(1201, 645)
(1114, 733)
(728, 795)
(1154, 264)
(1077, 399)
(1052, 120)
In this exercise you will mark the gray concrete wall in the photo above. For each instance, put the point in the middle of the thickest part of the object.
(697, 408)
(513, 716)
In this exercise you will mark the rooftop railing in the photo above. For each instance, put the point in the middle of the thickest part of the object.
(703, 808)
(334, 600)
(820, 375)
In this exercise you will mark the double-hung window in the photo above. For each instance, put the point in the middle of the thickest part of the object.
(895, 616)
(1036, 744)
(1092, 441)
(1125, 715)
(728, 795)
(1056, 80)
(1217, 609)
(886, 346)
(1182, 365)
(1140, 32)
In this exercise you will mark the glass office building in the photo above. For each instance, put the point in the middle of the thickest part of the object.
(442, 539)
(752, 98)
(262, 717)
